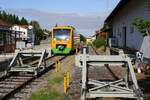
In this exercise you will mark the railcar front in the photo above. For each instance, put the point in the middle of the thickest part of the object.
(62, 40)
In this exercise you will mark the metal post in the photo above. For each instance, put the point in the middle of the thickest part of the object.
(84, 75)
(65, 83)
(68, 79)
(20, 60)
(41, 59)
(59, 66)
(56, 64)
(134, 80)
(126, 78)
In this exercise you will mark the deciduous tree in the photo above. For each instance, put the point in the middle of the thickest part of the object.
(142, 25)
(37, 30)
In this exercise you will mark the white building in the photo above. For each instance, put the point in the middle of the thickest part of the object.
(121, 19)
(24, 35)
(23, 31)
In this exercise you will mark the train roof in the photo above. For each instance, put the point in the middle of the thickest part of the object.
(64, 27)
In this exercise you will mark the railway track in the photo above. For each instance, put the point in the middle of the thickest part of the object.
(74, 91)
(11, 84)
(13, 87)
(105, 73)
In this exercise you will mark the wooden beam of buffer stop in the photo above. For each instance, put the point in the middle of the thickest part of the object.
(58, 66)
(66, 81)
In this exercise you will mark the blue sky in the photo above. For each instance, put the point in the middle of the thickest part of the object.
(94, 11)
(67, 6)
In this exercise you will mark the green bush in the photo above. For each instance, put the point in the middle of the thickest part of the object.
(99, 42)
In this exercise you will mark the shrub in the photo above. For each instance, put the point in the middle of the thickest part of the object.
(99, 42)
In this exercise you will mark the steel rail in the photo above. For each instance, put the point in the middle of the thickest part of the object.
(10, 84)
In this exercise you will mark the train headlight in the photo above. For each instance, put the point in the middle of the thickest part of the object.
(55, 39)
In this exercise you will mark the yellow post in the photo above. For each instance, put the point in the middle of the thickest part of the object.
(68, 79)
(65, 83)
(56, 64)
(59, 66)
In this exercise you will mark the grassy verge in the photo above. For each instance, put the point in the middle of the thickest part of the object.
(57, 79)
(47, 95)
(51, 90)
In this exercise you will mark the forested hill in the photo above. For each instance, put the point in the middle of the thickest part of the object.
(12, 18)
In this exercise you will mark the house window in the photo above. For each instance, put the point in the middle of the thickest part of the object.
(12, 37)
(131, 29)
(1, 39)
(8, 38)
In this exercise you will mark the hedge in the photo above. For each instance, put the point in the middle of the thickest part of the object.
(99, 42)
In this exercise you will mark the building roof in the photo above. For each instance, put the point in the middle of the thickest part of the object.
(120, 5)
(4, 24)
(23, 26)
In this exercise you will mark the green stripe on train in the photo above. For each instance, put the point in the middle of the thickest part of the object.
(65, 51)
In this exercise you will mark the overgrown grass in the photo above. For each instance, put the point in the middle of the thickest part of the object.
(48, 95)
(53, 87)
(57, 79)
(51, 91)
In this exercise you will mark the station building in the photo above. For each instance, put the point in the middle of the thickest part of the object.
(7, 38)
(24, 35)
(22, 31)
(124, 34)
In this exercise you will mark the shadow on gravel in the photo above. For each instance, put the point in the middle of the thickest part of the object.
(145, 87)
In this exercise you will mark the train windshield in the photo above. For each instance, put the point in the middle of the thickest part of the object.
(61, 34)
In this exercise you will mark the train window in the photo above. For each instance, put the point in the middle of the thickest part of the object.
(63, 34)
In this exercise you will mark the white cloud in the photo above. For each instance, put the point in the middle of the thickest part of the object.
(85, 23)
